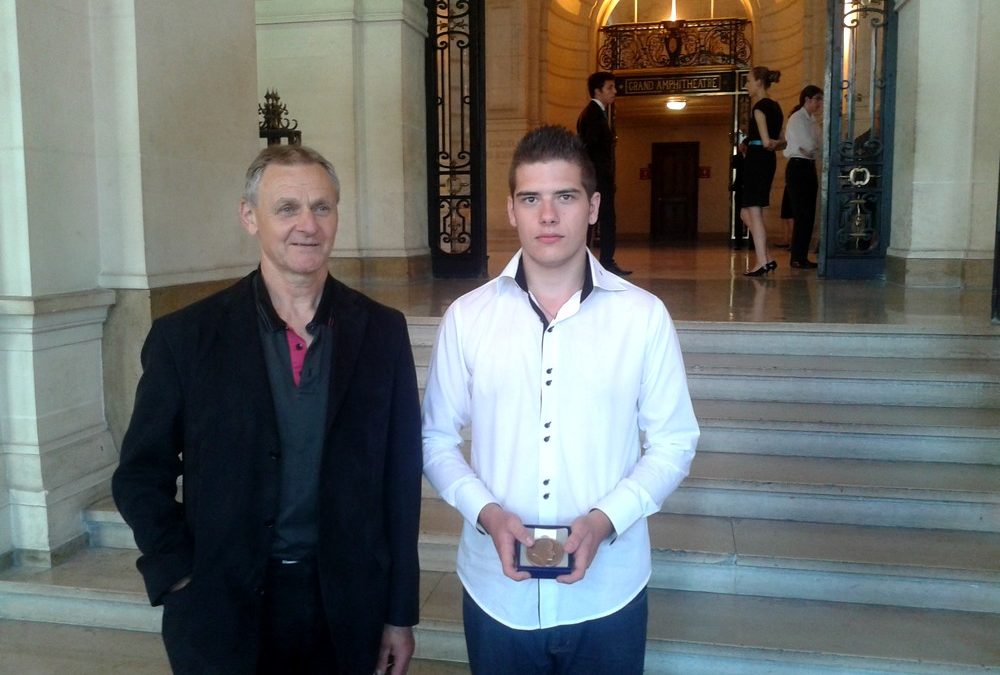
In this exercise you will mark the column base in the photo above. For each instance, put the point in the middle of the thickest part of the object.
(939, 272)
(401, 269)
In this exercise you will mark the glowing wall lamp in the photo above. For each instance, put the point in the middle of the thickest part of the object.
(676, 103)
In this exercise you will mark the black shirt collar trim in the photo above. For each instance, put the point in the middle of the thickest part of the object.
(522, 282)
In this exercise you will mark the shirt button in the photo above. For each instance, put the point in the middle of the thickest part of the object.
(298, 345)
(275, 455)
(548, 382)
(548, 372)
(546, 439)
(550, 329)
(548, 424)
(545, 482)
(545, 496)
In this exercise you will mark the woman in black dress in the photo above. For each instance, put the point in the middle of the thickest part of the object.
(758, 169)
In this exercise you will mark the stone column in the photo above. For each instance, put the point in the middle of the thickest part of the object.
(352, 74)
(514, 100)
(176, 126)
(947, 139)
(56, 451)
(125, 126)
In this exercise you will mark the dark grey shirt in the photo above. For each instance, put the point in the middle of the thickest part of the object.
(301, 414)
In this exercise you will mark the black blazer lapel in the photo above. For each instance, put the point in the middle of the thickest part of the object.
(350, 320)
(235, 349)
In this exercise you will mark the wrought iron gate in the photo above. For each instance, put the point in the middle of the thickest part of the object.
(858, 162)
(456, 132)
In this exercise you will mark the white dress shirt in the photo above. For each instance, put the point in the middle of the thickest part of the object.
(591, 412)
(803, 135)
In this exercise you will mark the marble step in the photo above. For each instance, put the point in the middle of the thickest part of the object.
(707, 633)
(887, 433)
(36, 648)
(937, 569)
(844, 491)
(805, 489)
(967, 436)
(95, 587)
(855, 340)
(689, 632)
(894, 566)
(845, 380)
(840, 491)
(829, 379)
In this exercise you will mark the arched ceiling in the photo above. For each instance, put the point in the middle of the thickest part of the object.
(605, 12)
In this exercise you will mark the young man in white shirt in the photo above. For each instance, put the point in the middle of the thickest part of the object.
(572, 384)
(801, 185)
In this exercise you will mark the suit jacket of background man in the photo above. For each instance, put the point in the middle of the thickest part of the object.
(594, 130)
(205, 393)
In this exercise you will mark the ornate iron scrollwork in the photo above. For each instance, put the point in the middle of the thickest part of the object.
(860, 145)
(673, 44)
(274, 124)
(455, 207)
(455, 136)
(452, 40)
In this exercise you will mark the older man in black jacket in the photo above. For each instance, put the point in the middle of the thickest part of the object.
(288, 404)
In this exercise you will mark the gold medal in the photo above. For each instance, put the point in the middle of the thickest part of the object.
(545, 552)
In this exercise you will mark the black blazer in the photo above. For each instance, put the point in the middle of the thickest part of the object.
(593, 128)
(204, 410)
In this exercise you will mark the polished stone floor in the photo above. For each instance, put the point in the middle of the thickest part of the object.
(706, 283)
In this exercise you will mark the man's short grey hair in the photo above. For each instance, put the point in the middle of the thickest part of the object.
(285, 155)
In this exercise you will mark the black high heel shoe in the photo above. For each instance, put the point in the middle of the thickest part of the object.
(771, 265)
(759, 272)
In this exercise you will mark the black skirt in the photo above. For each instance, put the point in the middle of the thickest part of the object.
(758, 173)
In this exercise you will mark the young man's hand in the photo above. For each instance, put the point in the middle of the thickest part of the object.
(588, 531)
(505, 528)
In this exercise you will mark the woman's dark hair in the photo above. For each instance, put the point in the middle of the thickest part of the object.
(765, 76)
(808, 91)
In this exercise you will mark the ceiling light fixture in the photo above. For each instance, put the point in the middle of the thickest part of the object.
(676, 103)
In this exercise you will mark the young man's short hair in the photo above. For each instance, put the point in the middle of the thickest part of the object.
(551, 143)
(597, 80)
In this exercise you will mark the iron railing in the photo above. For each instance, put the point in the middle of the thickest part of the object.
(675, 44)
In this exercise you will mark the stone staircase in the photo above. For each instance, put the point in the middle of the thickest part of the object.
(842, 515)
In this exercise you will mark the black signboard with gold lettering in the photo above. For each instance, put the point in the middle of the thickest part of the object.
(727, 82)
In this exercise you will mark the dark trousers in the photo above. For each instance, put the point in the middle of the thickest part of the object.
(802, 186)
(606, 225)
(295, 638)
(612, 645)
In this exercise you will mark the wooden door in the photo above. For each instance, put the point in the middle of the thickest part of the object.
(673, 213)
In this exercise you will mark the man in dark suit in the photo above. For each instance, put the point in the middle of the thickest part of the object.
(594, 128)
(287, 404)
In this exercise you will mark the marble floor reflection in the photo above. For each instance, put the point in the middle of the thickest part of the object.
(706, 283)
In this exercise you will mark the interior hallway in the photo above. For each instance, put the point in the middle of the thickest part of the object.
(706, 283)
